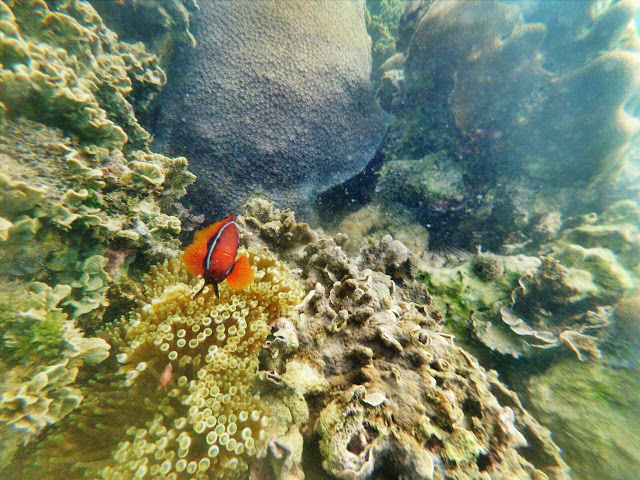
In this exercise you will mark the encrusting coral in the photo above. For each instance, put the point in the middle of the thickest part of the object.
(209, 420)
(246, 131)
(367, 375)
(41, 354)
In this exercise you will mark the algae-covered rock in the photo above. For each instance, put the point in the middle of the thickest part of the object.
(594, 414)
(432, 181)
(160, 24)
(279, 101)
(42, 351)
(623, 345)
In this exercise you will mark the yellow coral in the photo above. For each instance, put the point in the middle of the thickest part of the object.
(208, 421)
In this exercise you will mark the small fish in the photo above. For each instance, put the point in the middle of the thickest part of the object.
(213, 255)
(165, 376)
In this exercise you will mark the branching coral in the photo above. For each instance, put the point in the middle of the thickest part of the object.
(208, 422)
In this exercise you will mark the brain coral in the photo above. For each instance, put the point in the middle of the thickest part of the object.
(279, 101)
(208, 421)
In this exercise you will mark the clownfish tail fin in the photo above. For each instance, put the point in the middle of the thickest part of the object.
(241, 275)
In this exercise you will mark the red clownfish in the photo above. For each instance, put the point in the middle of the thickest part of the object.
(213, 255)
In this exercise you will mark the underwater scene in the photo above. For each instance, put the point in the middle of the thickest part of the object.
(320, 239)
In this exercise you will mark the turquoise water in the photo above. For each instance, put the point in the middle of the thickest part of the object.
(433, 268)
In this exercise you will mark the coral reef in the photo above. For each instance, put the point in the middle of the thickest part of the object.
(80, 201)
(367, 375)
(514, 302)
(272, 86)
(477, 38)
(518, 112)
(160, 24)
(81, 191)
(208, 420)
(593, 411)
(373, 221)
(41, 354)
(383, 17)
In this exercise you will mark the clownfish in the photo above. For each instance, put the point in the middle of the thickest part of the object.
(213, 255)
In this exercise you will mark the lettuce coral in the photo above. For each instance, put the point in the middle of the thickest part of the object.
(77, 179)
(80, 198)
(41, 354)
(209, 420)
(564, 296)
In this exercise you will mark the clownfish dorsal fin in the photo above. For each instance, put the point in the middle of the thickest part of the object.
(195, 253)
(241, 274)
